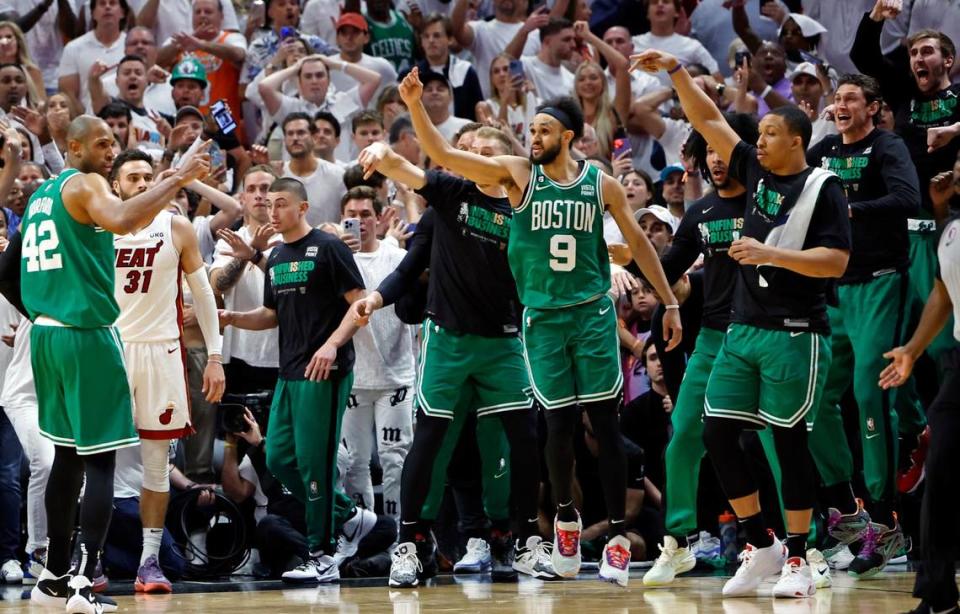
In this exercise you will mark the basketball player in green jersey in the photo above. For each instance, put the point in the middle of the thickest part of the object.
(67, 280)
(559, 259)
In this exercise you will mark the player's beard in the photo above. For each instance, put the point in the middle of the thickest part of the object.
(547, 155)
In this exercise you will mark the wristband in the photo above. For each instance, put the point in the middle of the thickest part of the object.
(766, 91)
(229, 445)
(257, 257)
(215, 361)
(669, 307)
(675, 68)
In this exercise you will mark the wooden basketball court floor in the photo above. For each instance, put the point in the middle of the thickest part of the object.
(890, 592)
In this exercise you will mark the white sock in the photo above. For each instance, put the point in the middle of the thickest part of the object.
(151, 544)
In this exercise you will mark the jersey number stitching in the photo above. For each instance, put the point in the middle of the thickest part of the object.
(563, 248)
(39, 240)
(133, 281)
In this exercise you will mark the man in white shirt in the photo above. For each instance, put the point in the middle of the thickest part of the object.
(158, 95)
(485, 39)
(545, 69)
(663, 15)
(381, 399)
(352, 35)
(251, 358)
(323, 180)
(105, 42)
(327, 137)
(436, 98)
(641, 82)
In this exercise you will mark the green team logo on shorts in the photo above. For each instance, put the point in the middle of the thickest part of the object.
(932, 112)
(287, 273)
(717, 235)
(768, 201)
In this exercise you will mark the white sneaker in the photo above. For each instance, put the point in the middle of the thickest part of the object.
(615, 562)
(10, 572)
(533, 559)
(84, 601)
(756, 564)
(819, 569)
(840, 559)
(672, 561)
(352, 531)
(405, 568)
(477, 559)
(566, 547)
(315, 569)
(796, 580)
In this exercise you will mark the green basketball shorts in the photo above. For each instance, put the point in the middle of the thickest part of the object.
(82, 388)
(490, 369)
(767, 376)
(573, 353)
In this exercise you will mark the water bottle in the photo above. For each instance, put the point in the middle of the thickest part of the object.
(728, 537)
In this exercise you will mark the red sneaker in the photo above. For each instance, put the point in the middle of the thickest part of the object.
(909, 479)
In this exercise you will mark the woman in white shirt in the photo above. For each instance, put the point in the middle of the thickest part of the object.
(511, 102)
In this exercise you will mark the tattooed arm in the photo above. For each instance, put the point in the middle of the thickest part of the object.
(225, 278)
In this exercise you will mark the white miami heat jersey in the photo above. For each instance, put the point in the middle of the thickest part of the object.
(147, 283)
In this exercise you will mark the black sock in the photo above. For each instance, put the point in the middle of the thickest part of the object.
(840, 497)
(408, 531)
(527, 528)
(756, 531)
(499, 527)
(60, 501)
(566, 512)
(797, 544)
(96, 509)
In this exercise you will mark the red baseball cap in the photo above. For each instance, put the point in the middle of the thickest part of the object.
(352, 19)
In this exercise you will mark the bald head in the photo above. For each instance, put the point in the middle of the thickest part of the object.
(83, 126)
(619, 38)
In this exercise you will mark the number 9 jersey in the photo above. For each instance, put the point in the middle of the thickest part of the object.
(148, 283)
(556, 250)
(66, 267)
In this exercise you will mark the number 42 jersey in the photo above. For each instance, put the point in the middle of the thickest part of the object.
(556, 250)
(148, 283)
(66, 268)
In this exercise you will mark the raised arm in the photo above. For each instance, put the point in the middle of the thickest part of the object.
(368, 80)
(741, 25)
(535, 21)
(269, 87)
(484, 171)
(380, 157)
(702, 113)
(619, 67)
(89, 200)
(147, 17)
(644, 255)
(462, 31)
(229, 207)
(645, 118)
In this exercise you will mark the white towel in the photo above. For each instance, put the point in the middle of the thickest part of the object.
(792, 234)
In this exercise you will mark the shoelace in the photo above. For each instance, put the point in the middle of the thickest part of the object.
(745, 557)
(870, 542)
(618, 556)
(665, 553)
(409, 560)
(568, 541)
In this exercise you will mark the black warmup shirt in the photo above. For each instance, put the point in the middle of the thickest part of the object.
(305, 284)
(782, 299)
(471, 290)
(403, 287)
(709, 227)
(882, 191)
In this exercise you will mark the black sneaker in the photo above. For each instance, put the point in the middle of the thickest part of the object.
(51, 592)
(501, 551)
(427, 553)
(84, 601)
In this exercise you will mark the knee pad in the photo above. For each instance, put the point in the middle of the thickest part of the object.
(156, 464)
(721, 435)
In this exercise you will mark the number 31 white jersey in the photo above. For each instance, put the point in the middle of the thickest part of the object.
(147, 283)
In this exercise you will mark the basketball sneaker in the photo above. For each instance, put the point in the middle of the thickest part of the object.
(796, 580)
(355, 529)
(615, 562)
(756, 564)
(845, 529)
(819, 569)
(910, 478)
(10, 572)
(100, 581)
(880, 544)
(673, 560)
(82, 599)
(34, 565)
(405, 568)
(566, 547)
(318, 567)
(477, 558)
(501, 555)
(534, 558)
(150, 578)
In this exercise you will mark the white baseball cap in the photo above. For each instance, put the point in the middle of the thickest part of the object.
(661, 213)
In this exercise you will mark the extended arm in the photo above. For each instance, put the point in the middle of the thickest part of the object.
(645, 118)
(229, 207)
(261, 318)
(703, 115)
(741, 25)
(381, 158)
(935, 315)
(323, 359)
(820, 262)
(462, 30)
(147, 17)
(619, 67)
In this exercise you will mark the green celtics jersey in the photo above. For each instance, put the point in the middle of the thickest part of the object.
(392, 41)
(66, 268)
(556, 250)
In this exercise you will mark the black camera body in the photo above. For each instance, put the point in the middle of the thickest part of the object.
(232, 409)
